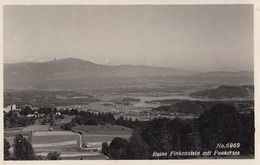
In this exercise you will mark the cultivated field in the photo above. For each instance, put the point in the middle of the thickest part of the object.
(107, 129)
(102, 133)
(36, 127)
(55, 141)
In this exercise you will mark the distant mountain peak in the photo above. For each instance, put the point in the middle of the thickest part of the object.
(70, 60)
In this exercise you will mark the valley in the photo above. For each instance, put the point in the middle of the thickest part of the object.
(80, 105)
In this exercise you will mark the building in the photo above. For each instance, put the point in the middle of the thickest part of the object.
(31, 116)
(58, 113)
(12, 107)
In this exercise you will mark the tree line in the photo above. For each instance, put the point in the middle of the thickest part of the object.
(20, 119)
(91, 118)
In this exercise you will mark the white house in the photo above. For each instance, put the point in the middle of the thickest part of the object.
(10, 108)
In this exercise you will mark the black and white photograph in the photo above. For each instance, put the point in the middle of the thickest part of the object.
(128, 82)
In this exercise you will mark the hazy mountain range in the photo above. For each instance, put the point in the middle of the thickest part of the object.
(80, 74)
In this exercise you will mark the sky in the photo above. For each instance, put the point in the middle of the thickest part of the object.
(190, 37)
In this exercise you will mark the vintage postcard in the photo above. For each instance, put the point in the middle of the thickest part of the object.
(172, 81)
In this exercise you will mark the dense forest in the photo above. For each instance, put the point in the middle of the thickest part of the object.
(222, 124)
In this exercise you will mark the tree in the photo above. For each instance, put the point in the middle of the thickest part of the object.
(6, 150)
(52, 119)
(47, 111)
(13, 117)
(118, 148)
(165, 135)
(221, 124)
(23, 149)
(6, 120)
(30, 151)
(156, 134)
(66, 126)
(53, 156)
(105, 149)
(247, 137)
(137, 148)
(44, 121)
(26, 110)
(73, 122)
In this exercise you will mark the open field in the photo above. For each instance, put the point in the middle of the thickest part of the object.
(55, 141)
(12, 131)
(98, 139)
(37, 127)
(95, 135)
(103, 129)
(52, 139)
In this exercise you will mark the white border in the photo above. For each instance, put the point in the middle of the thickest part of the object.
(123, 2)
(144, 2)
